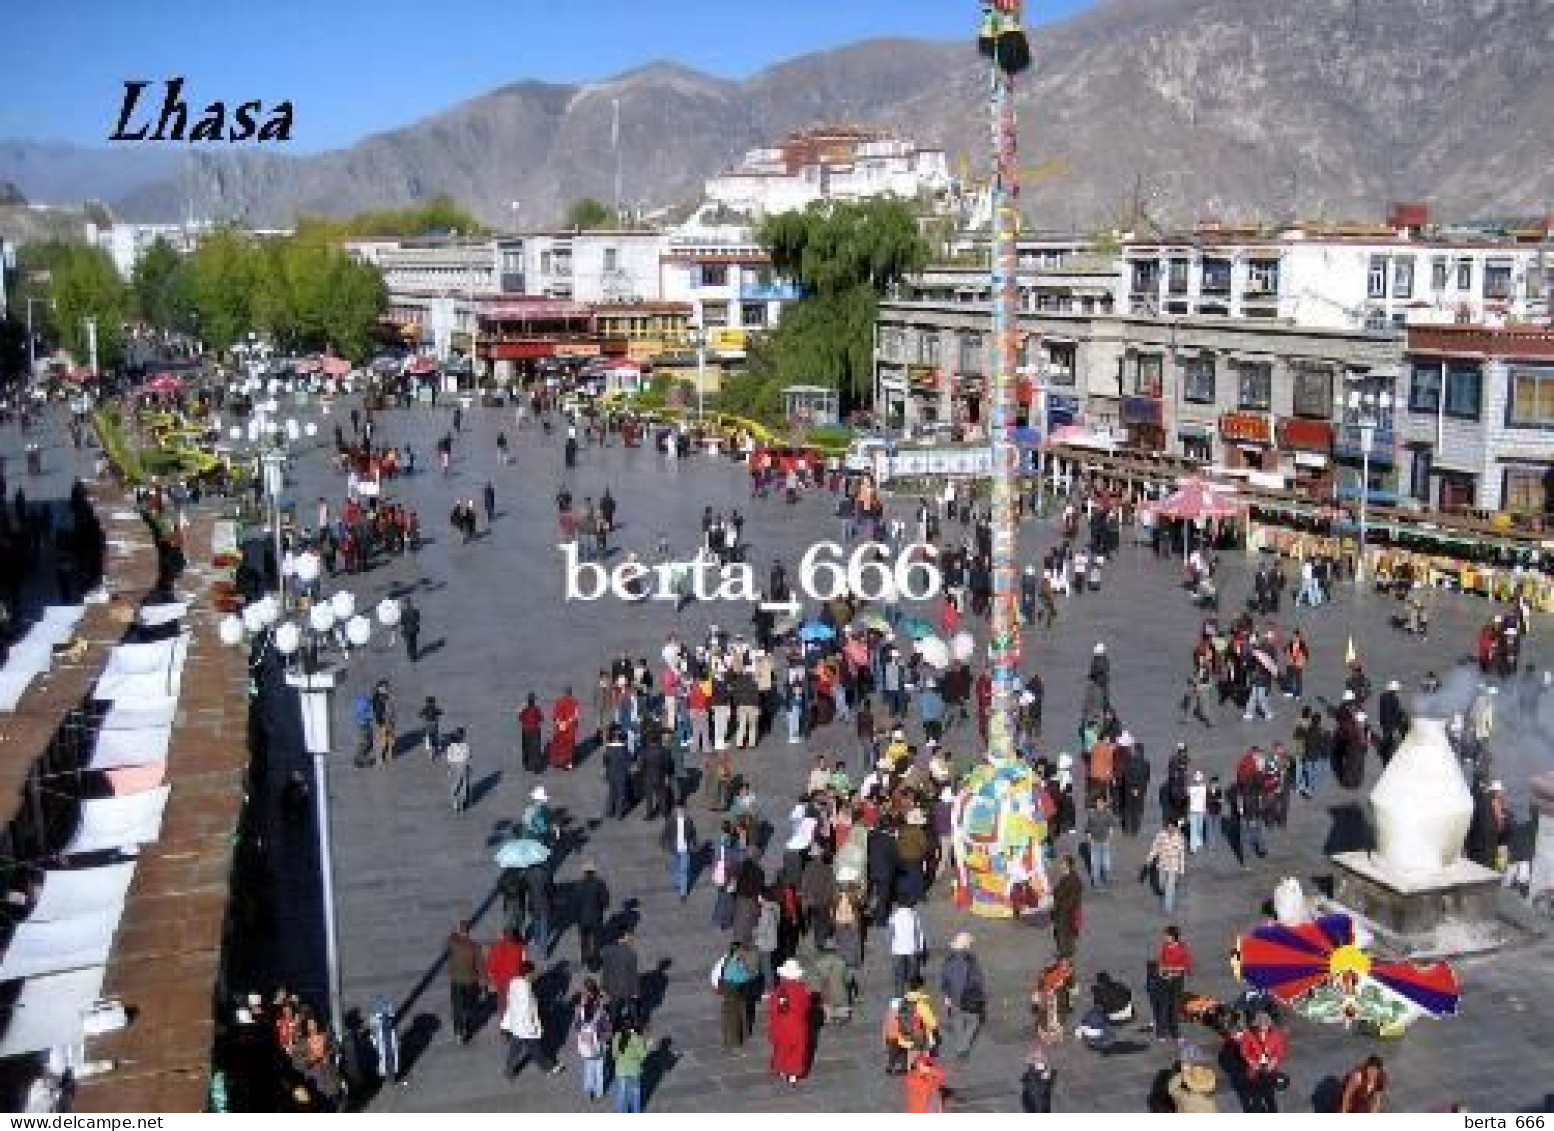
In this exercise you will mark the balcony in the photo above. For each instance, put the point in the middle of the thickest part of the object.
(1348, 445)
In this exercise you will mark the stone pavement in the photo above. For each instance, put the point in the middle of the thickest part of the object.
(495, 627)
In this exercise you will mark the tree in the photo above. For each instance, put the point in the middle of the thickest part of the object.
(587, 214)
(845, 256)
(224, 272)
(162, 288)
(439, 215)
(85, 285)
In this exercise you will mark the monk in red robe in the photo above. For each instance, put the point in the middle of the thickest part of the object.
(565, 717)
(788, 1025)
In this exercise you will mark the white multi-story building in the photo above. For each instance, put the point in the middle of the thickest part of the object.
(126, 243)
(829, 162)
(1342, 277)
(727, 279)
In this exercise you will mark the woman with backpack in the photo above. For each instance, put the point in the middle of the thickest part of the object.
(731, 979)
(591, 1019)
(788, 1023)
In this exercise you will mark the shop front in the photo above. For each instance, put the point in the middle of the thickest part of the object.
(925, 394)
(1197, 441)
(1248, 441)
(1144, 420)
(1309, 446)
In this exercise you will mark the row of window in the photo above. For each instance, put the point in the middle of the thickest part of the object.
(1262, 277)
(1313, 388)
(1497, 276)
(1456, 389)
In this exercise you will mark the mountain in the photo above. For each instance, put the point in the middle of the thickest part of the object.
(1176, 109)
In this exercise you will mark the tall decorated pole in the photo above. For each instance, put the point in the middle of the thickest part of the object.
(1003, 42)
(996, 828)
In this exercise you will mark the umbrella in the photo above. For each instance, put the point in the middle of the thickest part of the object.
(817, 630)
(164, 383)
(1198, 499)
(935, 652)
(521, 853)
(962, 646)
(917, 628)
(874, 620)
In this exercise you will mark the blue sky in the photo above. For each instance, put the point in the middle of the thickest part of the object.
(354, 66)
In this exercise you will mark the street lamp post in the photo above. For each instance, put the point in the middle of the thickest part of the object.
(91, 343)
(1367, 408)
(315, 686)
(700, 332)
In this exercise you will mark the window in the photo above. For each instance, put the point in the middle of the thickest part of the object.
(1532, 399)
(1403, 277)
(1256, 385)
(1464, 384)
(971, 360)
(1497, 280)
(1376, 284)
(752, 314)
(714, 274)
(1524, 491)
(1146, 374)
(1424, 387)
(928, 347)
(1216, 276)
(1262, 277)
(714, 314)
(1060, 364)
(544, 263)
(611, 259)
(1313, 393)
(1419, 474)
(1176, 278)
(1464, 274)
(1198, 380)
(1146, 277)
(1438, 273)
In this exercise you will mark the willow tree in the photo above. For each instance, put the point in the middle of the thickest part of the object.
(845, 256)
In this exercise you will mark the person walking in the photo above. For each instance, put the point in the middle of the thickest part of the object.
(630, 1051)
(924, 1085)
(410, 629)
(524, 1028)
(678, 839)
(732, 977)
(789, 1025)
(458, 757)
(431, 714)
(908, 944)
(1168, 854)
(1036, 1084)
(590, 903)
(466, 979)
(1173, 962)
(1262, 1049)
(488, 501)
(621, 978)
(1067, 900)
(964, 990)
(1100, 828)
(591, 1029)
(531, 735)
(1365, 1088)
(565, 716)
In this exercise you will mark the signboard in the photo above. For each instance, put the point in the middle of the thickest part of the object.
(1141, 410)
(1245, 427)
(1061, 410)
(1306, 435)
(577, 349)
(781, 292)
(968, 461)
(533, 310)
(728, 338)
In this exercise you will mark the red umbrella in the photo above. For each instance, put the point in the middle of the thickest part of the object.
(164, 383)
(1196, 499)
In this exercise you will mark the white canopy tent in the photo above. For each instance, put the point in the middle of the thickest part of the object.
(139, 747)
(50, 1012)
(81, 892)
(140, 714)
(119, 822)
(65, 944)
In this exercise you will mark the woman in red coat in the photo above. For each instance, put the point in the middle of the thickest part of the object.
(788, 1024)
(564, 717)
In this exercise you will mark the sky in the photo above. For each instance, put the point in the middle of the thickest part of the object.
(351, 67)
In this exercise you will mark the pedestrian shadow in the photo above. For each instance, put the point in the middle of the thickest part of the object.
(484, 786)
(435, 646)
(655, 987)
(660, 1062)
(1350, 830)
(625, 921)
(417, 1038)
(553, 990)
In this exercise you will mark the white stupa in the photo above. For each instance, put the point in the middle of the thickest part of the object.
(1421, 805)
